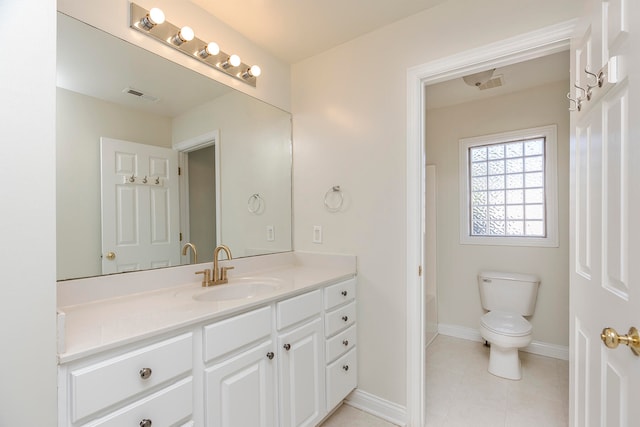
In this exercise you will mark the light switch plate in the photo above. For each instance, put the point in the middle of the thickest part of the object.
(317, 234)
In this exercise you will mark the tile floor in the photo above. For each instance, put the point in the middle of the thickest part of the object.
(461, 393)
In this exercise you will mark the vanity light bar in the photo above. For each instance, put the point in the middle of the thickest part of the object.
(184, 40)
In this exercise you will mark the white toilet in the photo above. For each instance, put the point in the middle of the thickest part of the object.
(508, 297)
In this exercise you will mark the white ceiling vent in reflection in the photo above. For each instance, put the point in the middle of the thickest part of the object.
(140, 94)
(496, 81)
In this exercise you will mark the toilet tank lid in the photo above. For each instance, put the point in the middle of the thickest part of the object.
(509, 276)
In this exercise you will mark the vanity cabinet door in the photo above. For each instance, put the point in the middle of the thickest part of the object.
(240, 391)
(302, 381)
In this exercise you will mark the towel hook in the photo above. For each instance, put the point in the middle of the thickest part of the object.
(578, 103)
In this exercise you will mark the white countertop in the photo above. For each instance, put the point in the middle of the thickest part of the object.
(113, 317)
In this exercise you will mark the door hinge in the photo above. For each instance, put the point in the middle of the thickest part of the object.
(179, 171)
(420, 270)
(181, 236)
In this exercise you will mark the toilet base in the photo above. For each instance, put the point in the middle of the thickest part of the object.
(504, 362)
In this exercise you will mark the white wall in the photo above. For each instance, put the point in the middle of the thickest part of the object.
(255, 144)
(27, 217)
(349, 109)
(458, 265)
(113, 17)
(78, 133)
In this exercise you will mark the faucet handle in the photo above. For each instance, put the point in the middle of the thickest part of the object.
(223, 272)
(206, 278)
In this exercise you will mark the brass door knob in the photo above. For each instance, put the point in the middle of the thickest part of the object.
(111, 256)
(612, 339)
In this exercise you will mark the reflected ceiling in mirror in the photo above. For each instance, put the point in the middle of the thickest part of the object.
(110, 88)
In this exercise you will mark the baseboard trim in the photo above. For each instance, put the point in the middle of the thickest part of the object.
(536, 347)
(381, 408)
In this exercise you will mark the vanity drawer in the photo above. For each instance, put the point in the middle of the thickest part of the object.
(164, 409)
(342, 378)
(298, 308)
(339, 293)
(228, 335)
(341, 343)
(339, 319)
(108, 382)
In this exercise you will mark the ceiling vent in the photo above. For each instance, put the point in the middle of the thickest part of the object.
(140, 94)
(496, 81)
(478, 79)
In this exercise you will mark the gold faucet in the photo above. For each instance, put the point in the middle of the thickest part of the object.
(193, 248)
(219, 274)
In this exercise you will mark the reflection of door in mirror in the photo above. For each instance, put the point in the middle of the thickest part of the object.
(140, 226)
(201, 175)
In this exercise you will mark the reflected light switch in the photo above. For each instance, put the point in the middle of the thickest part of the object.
(317, 234)
(271, 234)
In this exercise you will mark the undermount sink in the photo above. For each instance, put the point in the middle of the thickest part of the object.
(245, 288)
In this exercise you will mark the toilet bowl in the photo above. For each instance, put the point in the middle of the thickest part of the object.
(507, 332)
(508, 297)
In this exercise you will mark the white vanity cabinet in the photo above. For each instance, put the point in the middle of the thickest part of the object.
(284, 363)
(340, 331)
(301, 360)
(149, 385)
(240, 388)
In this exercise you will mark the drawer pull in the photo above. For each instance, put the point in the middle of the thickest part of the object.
(344, 293)
(270, 355)
(145, 423)
(345, 367)
(345, 342)
(287, 347)
(345, 318)
(144, 374)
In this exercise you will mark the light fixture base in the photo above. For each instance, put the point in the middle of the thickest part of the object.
(166, 31)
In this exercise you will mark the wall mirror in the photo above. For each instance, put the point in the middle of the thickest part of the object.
(234, 154)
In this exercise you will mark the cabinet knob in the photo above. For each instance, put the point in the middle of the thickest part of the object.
(144, 374)
(345, 318)
(287, 347)
(345, 342)
(344, 293)
(145, 423)
(345, 367)
(270, 355)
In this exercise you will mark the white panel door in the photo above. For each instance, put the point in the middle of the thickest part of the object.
(140, 209)
(302, 381)
(605, 213)
(241, 390)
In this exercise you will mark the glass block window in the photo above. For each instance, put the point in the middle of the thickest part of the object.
(508, 188)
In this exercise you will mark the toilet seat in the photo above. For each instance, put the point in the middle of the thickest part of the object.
(504, 323)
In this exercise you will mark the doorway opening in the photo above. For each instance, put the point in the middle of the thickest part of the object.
(530, 46)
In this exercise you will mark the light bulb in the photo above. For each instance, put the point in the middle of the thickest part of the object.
(184, 35)
(255, 70)
(153, 18)
(213, 48)
(234, 60)
(156, 15)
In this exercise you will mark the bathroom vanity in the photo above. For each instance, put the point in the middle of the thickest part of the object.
(274, 347)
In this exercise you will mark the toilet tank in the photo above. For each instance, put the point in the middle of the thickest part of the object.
(511, 292)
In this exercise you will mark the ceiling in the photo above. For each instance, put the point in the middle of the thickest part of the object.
(122, 65)
(293, 30)
(516, 77)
